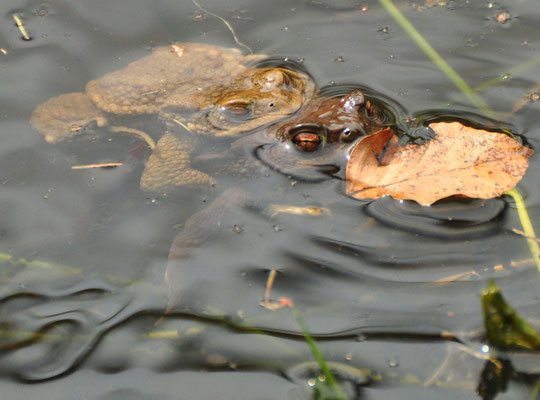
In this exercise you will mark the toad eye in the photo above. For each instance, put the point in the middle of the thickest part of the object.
(371, 111)
(237, 111)
(307, 141)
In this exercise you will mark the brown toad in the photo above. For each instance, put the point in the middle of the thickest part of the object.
(334, 122)
(308, 145)
(204, 89)
(313, 145)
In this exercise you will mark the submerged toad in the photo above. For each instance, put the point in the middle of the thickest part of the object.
(203, 287)
(313, 145)
(204, 89)
(310, 145)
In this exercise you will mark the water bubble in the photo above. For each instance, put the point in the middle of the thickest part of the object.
(361, 337)
(392, 362)
(311, 382)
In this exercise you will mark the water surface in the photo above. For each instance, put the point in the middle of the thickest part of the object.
(363, 277)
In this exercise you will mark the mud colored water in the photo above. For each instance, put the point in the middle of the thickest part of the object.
(78, 315)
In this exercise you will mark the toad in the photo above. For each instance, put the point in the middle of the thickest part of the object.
(314, 144)
(203, 90)
(311, 146)
(307, 146)
(321, 134)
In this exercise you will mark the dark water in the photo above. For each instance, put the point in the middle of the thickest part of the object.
(362, 276)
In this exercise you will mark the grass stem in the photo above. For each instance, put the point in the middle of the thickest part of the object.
(436, 58)
(526, 223)
(330, 380)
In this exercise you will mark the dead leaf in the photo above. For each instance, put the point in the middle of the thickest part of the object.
(459, 161)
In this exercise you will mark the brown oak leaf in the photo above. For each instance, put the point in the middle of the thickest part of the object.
(459, 161)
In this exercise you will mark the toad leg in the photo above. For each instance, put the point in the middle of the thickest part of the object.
(169, 166)
(64, 116)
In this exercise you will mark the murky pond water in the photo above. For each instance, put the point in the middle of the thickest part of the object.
(390, 290)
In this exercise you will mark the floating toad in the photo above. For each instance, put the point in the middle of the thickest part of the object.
(205, 90)
(312, 145)
(307, 146)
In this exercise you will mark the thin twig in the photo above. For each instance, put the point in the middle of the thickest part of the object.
(145, 136)
(227, 24)
(521, 233)
(102, 165)
(20, 24)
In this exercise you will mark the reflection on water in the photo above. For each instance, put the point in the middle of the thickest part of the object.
(389, 289)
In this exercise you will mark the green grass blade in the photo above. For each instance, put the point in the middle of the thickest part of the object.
(526, 223)
(435, 57)
(517, 70)
(330, 380)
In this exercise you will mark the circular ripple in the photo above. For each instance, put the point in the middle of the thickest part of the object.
(450, 218)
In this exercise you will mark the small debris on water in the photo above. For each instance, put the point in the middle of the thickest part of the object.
(199, 16)
(3, 51)
(237, 229)
(19, 23)
(216, 360)
(393, 362)
(533, 97)
(339, 59)
(275, 209)
(102, 165)
(503, 17)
